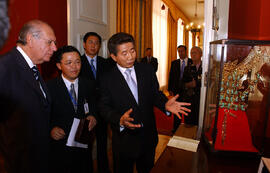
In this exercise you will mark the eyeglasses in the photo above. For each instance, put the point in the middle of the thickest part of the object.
(49, 42)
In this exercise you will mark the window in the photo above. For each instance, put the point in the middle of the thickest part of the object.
(160, 39)
(180, 34)
(189, 42)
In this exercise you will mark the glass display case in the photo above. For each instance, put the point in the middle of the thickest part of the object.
(237, 101)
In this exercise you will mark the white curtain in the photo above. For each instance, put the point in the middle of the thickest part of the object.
(180, 33)
(160, 39)
(189, 42)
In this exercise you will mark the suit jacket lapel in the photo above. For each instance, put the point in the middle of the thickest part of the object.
(140, 82)
(65, 93)
(88, 67)
(81, 91)
(98, 65)
(29, 76)
(178, 65)
(46, 91)
(122, 82)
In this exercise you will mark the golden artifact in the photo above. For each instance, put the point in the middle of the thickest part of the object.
(235, 88)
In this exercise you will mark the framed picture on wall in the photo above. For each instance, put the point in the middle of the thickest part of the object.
(215, 16)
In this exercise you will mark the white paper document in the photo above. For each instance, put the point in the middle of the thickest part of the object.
(71, 137)
(184, 143)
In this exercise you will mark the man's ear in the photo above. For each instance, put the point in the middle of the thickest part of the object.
(84, 45)
(29, 40)
(113, 57)
(58, 66)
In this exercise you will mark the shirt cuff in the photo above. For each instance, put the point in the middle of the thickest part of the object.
(122, 128)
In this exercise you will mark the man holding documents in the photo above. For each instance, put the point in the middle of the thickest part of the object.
(72, 104)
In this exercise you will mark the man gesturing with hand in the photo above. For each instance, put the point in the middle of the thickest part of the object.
(129, 91)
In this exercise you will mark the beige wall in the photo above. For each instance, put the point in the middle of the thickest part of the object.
(112, 16)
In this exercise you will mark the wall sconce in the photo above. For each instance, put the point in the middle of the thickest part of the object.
(193, 28)
(163, 7)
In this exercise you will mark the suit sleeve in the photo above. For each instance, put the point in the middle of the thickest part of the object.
(6, 104)
(155, 64)
(53, 119)
(105, 104)
(91, 98)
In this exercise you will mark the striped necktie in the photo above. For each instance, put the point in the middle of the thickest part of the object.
(182, 69)
(73, 95)
(93, 67)
(36, 73)
(132, 84)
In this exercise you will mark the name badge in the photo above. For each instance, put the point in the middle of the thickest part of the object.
(86, 108)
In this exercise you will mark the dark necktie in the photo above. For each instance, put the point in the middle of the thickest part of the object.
(132, 84)
(36, 73)
(37, 77)
(182, 69)
(93, 67)
(73, 96)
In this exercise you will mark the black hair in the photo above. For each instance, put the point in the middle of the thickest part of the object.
(185, 47)
(118, 39)
(88, 34)
(58, 55)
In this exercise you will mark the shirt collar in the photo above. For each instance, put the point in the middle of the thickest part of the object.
(198, 65)
(185, 59)
(26, 57)
(68, 83)
(122, 69)
(88, 57)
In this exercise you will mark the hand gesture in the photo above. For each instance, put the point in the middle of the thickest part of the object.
(57, 133)
(176, 107)
(92, 122)
(126, 120)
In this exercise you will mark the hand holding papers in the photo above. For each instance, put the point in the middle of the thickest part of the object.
(77, 126)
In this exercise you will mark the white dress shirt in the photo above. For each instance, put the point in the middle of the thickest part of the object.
(68, 84)
(181, 62)
(94, 62)
(133, 73)
(30, 64)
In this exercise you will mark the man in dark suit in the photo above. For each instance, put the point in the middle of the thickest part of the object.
(93, 66)
(150, 59)
(128, 94)
(25, 101)
(72, 97)
(192, 85)
(176, 85)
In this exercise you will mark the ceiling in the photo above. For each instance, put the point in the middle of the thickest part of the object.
(188, 7)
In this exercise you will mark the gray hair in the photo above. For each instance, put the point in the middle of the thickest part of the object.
(198, 48)
(33, 28)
